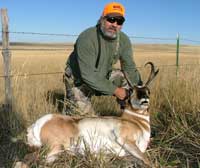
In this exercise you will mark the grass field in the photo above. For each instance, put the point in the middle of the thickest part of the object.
(175, 103)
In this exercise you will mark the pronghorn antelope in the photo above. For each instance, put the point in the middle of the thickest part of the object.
(125, 135)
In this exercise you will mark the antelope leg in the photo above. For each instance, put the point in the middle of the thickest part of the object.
(131, 148)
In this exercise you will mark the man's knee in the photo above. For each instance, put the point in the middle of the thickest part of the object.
(118, 79)
(82, 100)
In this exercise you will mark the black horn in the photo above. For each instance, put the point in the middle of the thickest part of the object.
(127, 78)
(153, 73)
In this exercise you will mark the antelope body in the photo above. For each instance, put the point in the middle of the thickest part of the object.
(125, 135)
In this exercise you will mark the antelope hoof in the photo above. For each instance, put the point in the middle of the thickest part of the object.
(147, 163)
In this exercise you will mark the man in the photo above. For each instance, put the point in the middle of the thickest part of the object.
(96, 50)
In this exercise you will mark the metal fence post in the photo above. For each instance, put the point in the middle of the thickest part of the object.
(7, 60)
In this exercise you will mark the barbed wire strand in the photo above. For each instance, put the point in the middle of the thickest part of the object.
(151, 38)
(62, 72)
(31, 74)
(45, 34)
(195, 41)
(75, 35)
(67, 49)
(37, 49)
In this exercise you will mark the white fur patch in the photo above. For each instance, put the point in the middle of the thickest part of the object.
(143, 141)
(33, 135)
(100, 134)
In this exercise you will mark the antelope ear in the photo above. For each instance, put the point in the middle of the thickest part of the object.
(148, 90)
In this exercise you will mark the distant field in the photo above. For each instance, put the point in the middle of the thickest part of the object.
(164, 54)
(32, 58)
(175, 100)
(38, 58)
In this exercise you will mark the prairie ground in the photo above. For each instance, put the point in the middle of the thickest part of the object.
(37, 89)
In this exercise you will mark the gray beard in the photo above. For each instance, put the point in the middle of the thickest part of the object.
(108, 34)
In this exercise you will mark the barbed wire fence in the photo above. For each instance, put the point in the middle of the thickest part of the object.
(69, 47)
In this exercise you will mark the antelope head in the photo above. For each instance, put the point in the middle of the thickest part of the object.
(139, 94)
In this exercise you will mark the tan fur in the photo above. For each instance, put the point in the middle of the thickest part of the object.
(58, 133)
(137, 121)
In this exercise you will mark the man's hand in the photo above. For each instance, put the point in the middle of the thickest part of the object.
(120, 93)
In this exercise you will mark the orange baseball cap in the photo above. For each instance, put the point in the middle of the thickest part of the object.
(114, 9)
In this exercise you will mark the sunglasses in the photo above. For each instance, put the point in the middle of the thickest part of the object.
(119, 20)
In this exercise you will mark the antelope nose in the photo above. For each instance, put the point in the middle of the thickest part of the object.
(145, 101)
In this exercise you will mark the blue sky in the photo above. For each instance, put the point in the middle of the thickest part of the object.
(146, 18)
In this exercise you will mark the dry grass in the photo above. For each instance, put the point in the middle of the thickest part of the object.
(175, 105)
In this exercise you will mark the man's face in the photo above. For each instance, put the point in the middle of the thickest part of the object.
(110, 26)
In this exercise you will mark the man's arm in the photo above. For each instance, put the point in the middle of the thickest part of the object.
(127, 62)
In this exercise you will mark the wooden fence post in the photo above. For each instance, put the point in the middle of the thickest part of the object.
(7, 60)
(177, 53)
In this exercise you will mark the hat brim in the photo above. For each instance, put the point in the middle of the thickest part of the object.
(114, 15)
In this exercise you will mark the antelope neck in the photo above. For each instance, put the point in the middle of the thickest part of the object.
(129, 112)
